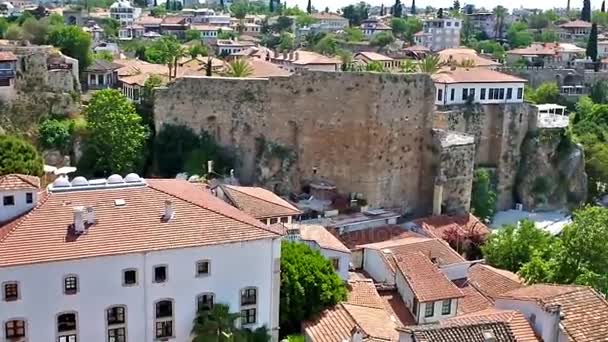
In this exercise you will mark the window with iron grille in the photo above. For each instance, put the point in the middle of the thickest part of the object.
(248, 316)
(70, 285)
(117, 335)
(202, 268)
(204, 302)
(11, 292)
(249, 296)
(116, 315)
(429, 309)
(164, 329)
(14, 329)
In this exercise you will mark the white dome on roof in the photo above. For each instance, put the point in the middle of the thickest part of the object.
(121, 4)
(80, 181)
(115, 179)
(61, 182)
(132, 178)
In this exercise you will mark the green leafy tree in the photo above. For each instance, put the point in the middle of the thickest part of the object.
(382, 39)
(13, 32)
(103, 55)
(413, 8)
(514, 245)
(304, 20)
(399, 26)
(287, 42)
(548, 36)
(166, 50)
(346, 59)
(19, 156)
(456, 5)
(592, 43)
(158, 12)
(483, 198)
(215, 325)
(56, 134)
(500, 13)
(518, 35)
(492, 47)
(74, 42)
(309, 7)
(239, 9)
(3, 26)
(586, 11)
(409, 66)
(193, 35)
(397, 9)
(110, 27)
(599, 91)
(283, 24)
(545, 93)
(309, 284)
(328, 45)
(375, 67)
(35, 31)
(172, 147)
(239, 68)
(116, 134)
(356, 13)
(353, 34)
(271, 6)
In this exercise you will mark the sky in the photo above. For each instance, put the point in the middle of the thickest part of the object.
(543, 4)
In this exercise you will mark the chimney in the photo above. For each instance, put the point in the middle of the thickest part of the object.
(297, 55)
(275, 54)
(168, 211)
(284, 55)
(291, 56)
(79, 220)
(209, 167)
(90, 217)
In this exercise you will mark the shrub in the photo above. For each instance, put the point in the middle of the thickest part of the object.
(56, 134)
(19, 156)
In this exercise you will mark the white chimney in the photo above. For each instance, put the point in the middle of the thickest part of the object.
(168, 210)
(79, 220)
(209, 166)
(90, 217)
(297, 55)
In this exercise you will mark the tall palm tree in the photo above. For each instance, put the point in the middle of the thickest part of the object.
(239, 68)
(430, 64)
(215, 325)
(346, 58)
(409, 67)
(177, 54)
(500, 13)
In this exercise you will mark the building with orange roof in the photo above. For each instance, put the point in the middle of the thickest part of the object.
(458, 56)
(560, 312)
(547, 54)
(439, 33)
(132, 257)
(366, 57)
(306, 60)
(19, 194)
(437, 226)
(458, 86)
(573, 30)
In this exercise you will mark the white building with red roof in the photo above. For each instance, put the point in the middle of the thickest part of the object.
(132, 260)
(573, 30)
(458, 86)
(19, 194)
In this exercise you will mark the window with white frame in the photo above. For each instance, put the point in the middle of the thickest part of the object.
(129, 277)
(163, 322)
(203, 268)
(14, 329)
(70, 285)
(116, 319)
(429, 309)
(446, 307)
(204, 302)
(10, 291)
(249, 296)
(67, 327)
(248, 316)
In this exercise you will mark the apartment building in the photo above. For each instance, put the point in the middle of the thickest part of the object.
(439, 34)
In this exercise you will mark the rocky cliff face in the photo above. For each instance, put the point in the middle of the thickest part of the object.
(552, 174)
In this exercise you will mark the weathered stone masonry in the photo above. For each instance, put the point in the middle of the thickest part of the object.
(369, 133)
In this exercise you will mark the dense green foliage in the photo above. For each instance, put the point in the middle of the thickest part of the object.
(545, 93)
(382, 39)
(405, 28)
(327, 45)
(19, 156)
(356, 13)
(309, 284)
(483, 197)
(489, 46)
(117, 137)
(518, 35)
(591, 50)
(74, 42)
(56, 134)
(220, 325)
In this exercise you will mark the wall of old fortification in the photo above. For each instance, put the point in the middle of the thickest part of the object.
(367, 132)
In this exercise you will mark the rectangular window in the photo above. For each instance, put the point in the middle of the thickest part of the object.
(284, 219)
(248, 316)
(274, 220)
(8, 200)
(465, 94)
(429, 309)
(491, 94)
(472, 93)
(449, 23)
(248, 297)
(14, 329)
(335, 262)
(415, 307)
(11, 292)
(29, 198)
(502, 93)
(70, 285)
(130, 277)
(452, 94)
(160, 274)
(116, 335)
(116, 315)
(446, 307)
(5, 82)
(202, 268)
(164, 329)
(482, 95)
(520, 93)
(204, 302)
(509, 93)
(439, 94)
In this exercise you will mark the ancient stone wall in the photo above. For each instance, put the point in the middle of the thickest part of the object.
(367, 132)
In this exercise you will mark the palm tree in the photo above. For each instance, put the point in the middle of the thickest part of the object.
(177, 54)
(409, 67)
(239, 68)
(500, 13)
(215, 325)
(346, 58)
(374, 66)
(467, 63)
(430, 64)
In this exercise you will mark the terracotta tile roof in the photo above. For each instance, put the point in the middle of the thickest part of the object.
(44, 235)
(393, 303)
(374, 56)
(459, 55)
(7, 56)
(14, 181)
(102, 65)
(148, 20)
(326, 16)
(307, 57)
(364, 293)
(474, 75)
(472, 301)
(174, 20)
(371, 235)
(584, 311)
(424, 278)
(417, 48)
(432, 248)
(321, 236)
(436, 226)
(263, 68)
(505, 325)
(491, 281)
(259, 202)
(576, 24)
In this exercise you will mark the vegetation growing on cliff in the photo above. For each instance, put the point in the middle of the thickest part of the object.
(483, 197)
(19, 156)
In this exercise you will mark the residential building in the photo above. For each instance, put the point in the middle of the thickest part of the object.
(354, 238)
(109, 47)
(320, 239)
(465, 56)
(484, 22)
(134, 73)
(175, 26)
(560, 312)
(227, 47)
(128, 259)
(373, 57)
(102, 74)
(19, 194)
(8, 73)
(149, 23)
(602, 48)
(259, 203)
(306, 60)
(439, 34)
(458, 86)
(328, 22)
(440, 225)
(209, 33)
(262, 68)
(373, 26)
(574, 30)
(131, 32)
(249, 29)
(547, 54)
(124, 12)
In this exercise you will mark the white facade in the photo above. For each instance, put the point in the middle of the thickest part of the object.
(602, 48)
(232, 268)
(482, 93)
(16, 202)
(440, 34)
(124, 12)
(339, 259)
(545, 324)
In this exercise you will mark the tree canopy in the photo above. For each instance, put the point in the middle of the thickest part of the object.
(545, 93)
(19, 156)
(74, 42)
(483, 198)
(309, 284)
(356, 13)
(518, 35)
(382, 39)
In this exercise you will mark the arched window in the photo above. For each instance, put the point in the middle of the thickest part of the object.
(67, 327)
(163, 322)
(116, 319)
(14, 329)
(204, 301)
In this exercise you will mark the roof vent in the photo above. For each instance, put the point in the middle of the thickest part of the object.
(120, 202)
(90, 216)
(79, 226)
(80, 181)
(169, 212)
(61, 182)
(489, 336)
(115, 179)
(132, 178)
